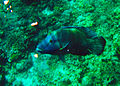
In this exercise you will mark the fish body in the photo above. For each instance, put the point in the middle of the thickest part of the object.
(72, 39)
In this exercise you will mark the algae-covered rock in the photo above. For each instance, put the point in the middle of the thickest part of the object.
(117, 12)
(17, 83)
(84, 20)
(24, 65)
(1, 80)
(1, 34)
(14, 54)
(19, 39)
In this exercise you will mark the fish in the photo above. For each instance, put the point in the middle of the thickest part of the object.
(72, 39)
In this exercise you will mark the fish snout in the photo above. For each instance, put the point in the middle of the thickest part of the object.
(38, 49)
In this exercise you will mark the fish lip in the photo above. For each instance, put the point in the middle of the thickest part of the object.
(42, 51)
(39, 50)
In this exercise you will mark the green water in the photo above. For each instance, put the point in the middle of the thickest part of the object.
(18, 40)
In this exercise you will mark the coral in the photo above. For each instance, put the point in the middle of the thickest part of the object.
(0, 78)
(1, 34)
(18, 40)
(103, 71)
(84, 20)
(117, 12)
(17, 83)
(23, 66)
(117, 45)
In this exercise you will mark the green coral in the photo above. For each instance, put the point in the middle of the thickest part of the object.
(19, 39)
(117, 46)
(84, 20)
(14, 56)
(117, 12)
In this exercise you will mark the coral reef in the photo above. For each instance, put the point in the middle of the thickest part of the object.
(18, 40)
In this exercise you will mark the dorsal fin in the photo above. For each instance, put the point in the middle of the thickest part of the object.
(87, 31)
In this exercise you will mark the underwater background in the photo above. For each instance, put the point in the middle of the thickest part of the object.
(24, 23)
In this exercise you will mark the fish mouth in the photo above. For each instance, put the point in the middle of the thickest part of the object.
(39, 50)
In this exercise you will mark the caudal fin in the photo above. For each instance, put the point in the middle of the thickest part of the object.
(97, 45)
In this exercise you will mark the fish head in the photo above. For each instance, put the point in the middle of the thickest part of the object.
(49, 44)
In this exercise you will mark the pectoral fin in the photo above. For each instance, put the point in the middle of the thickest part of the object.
(64, 45)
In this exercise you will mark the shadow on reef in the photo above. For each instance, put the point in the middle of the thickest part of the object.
(43, 3)
(3, 62)
(2, 75)
(3, 81)
(28, 2)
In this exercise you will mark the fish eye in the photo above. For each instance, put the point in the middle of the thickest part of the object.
(50, 41)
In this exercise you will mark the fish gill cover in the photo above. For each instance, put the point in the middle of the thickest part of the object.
(23, 26)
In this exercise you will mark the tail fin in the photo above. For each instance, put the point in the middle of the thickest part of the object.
(97, 45)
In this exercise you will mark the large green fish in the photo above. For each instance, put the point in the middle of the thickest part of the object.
(72, 39)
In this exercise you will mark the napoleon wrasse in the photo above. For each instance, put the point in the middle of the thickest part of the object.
(72, 39)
